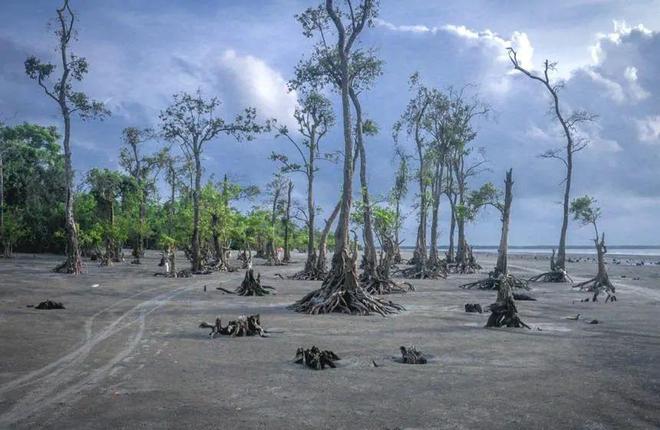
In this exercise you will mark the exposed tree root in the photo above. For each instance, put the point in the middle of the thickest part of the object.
(552, 276)
(504, 312)
(341, 292)
(410, 355)
(427, 271)
(493, 283)
(597, 286)
(311, 274)
(250, 286)
(243, 326)
(49, 304)
(316, 359)
(377, 285)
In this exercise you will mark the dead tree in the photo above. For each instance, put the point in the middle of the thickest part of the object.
(501, 268)
(574, 144)
(276, 188)
(70, 102)
(341, 291)
(243, 326)
(504, 312)
(585, 211)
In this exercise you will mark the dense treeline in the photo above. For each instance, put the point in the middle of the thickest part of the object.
(118, 209)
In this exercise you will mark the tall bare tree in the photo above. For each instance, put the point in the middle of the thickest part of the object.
(192, 121)
(397, 194)
(569, 125)
(341, 291)
(70, 103)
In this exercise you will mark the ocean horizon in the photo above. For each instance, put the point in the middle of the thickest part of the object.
(632, 250)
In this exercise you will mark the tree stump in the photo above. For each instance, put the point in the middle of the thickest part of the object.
(504, 312)
(410, 355)
(251, 286)
(49, 304)
(315, 359)
(243, 326)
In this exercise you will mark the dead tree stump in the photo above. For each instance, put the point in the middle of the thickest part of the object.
(49, 304)
(410, 355)
(243, 326)
(316, 359)
(504, 312)
(251, 286)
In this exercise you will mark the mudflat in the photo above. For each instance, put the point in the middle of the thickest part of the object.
(127, 353)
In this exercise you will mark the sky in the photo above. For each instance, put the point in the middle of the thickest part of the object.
(141, 52)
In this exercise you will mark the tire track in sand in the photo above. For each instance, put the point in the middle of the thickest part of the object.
(64, 379)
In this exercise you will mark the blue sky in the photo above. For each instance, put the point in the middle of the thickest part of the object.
(141, 52)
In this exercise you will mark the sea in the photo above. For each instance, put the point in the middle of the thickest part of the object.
(614, 250)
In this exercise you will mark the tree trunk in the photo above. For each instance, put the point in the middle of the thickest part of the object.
(321, 263)
(196, 254)
(397, 227)
(73, 263)
(451, 255)
(270, 245)
(437, 193)
(502, 252)
(311, 210)
(287, 250)
(560, 262)
(368, 232)
(3, 239)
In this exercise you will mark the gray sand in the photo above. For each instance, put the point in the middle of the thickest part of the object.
(128, 354)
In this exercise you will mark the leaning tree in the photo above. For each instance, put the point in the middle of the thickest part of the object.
(143, 170)
(569, 125)
(585, 211)
(341, 291)
(192, 121)
(487, 195)
(69, 102)
(314, 116)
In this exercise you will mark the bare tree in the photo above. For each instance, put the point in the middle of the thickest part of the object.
(341, 291)
(286, 220)
(569, 126)
(192, 121)
(70, 102)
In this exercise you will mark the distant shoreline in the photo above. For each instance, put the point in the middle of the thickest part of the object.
(618, 250)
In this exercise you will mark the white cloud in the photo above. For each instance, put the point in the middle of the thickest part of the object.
(621, 29)
(648, 129)
(260, 86)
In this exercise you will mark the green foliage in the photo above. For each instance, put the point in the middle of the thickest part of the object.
(584, 210)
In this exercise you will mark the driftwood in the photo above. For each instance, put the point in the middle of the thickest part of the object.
(473, 308)
(49, 304)
(341, 292)
(250, 286)
(316, 359)
(504, 312)
(410, 355)
(243, 326)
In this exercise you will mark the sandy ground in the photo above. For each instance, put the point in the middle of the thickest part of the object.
(127, 353)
